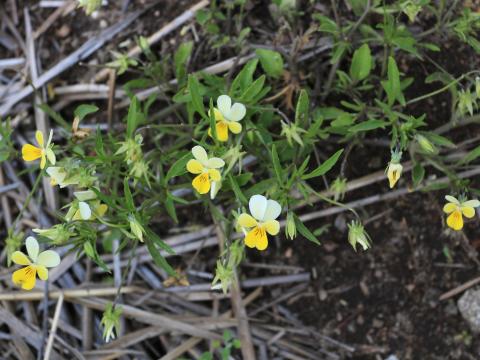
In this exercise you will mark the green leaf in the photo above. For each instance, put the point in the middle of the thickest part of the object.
(368, 125)
(83, 110)
(170, 207)
(271, 61)
(128, 195)
(132, 117)
(197, 99)
(236, 189)
(325, 167)
(181, 57)
(393, 86)
(361, 63)
(157, 256)
(178, 168)
(244, 78)
(276, 165)
(55, 116)
(301, 111)
(306, 233)
(253, 89)
(418, 173)
(472, 155)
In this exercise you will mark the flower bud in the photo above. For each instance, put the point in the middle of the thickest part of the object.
(358, 235)
(111, 321)
(135, 227)
(59, 234)
(425, 144)
(339, 187)
(291, 229)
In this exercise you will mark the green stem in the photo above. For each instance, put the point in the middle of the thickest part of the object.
(28, 199)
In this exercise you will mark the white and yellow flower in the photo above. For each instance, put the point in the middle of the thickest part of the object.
(87, 207)
(227, 117)
(35, 263)
(458, 209)
(42, 151)
(206, 168)
(260, 222)
(57, 175)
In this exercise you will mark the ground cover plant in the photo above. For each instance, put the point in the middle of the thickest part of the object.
(323, 154)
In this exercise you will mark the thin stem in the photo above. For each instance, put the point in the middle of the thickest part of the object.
(28, 199)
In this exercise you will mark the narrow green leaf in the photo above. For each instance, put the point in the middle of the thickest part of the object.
(361, 63)
(178, 168)
(472, 155)
(83, 110)
(276, 165)
(271, 61)
(302, 229)
(325, 167)
(132, 117)
(303, 104)
(368, 125)
(197, 100)
(157, 257)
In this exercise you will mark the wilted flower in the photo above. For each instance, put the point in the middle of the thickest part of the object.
(262, 221)
(292, 132)
(394, 169)
(86, 206)
(223, 277)
(132, 148)
(457, 208)
(358, 235)
(34, 263)
(227, 117)
(206, 168)
(43, 151)
(339, 187)
(111, 321)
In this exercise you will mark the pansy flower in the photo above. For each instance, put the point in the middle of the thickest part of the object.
(206, 168)
(35, 263)
(457, 209)
(57, 175)
(42, 151)
(87, 206)
(227, 117)
(260, 222)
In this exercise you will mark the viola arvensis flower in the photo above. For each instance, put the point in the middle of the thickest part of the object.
(206, 168)
(43, 151)
(227, 117)
(87, 207)
(457, 209)
(394, 169)
(262, 221)
(35, 263)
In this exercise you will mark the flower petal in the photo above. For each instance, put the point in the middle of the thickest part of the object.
(246, 221)
(218, 115)
(222, 131)
(235, 127)
(215, 163)
(32, 248)
(200, 154)
(101, 209)
(257, 237)
(48, 258)
(51, 156)
(42, 272)
(455, 220)
(471, 203)
(272, 227)
(201, 183)
(452, 199)
(273, 210)
(85, 211)
(237, 112)
(224, 104)
(450, 207)
(50, 137)
(85, 195)
(258, 206)
(214, 175)
(20, 258)
(43, 162)
(31, 153)
(194, 166)
(468, 211)
(25, 277)
(39, 138)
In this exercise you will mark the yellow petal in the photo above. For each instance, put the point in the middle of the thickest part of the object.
(25, 277)
(455, 220)
(218, 115)
(246, 221)
(194, 166)
(257, 237)
(468, 211)
(201, 183)
(20, 258)
(235, 127)
(222, 131)
(214, 175)
(39, 137)
(31, 153)
(101, 210)
(42, 272)
(449, 207)
(272, 227)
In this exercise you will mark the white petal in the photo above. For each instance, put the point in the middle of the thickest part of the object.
(32, 248)
(215, 163)
(51, 156)
(471, 203)
(273, 210)
(85, 211)
(85, 195)
(200, 154)
(50, 138)
(237, 112)
(224, 103)
(48, 258)
(452, 199)
(258, 206)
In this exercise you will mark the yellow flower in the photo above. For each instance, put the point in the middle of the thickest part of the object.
(262, 221)
(35, 263)
(43, 152)
(206, 168)
(457, 209)
(227, 117)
